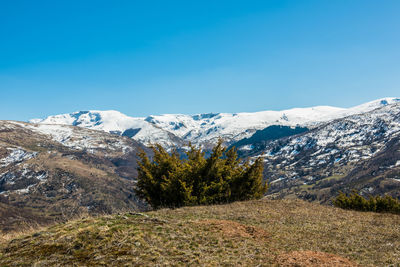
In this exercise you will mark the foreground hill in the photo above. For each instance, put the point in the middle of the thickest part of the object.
(265, 232)
(52, 172)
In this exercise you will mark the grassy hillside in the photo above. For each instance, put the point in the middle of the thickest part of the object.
(55, 173)
(265, 232)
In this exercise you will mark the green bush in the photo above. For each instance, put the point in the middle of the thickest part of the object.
(170, 181)
(375, 203)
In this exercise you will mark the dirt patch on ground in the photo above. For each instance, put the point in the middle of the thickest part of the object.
(234, 229)
(312, 258)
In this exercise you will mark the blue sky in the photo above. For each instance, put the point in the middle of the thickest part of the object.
(155, 57)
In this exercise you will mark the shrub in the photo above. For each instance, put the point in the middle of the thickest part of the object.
(375, 203)
(171, 181)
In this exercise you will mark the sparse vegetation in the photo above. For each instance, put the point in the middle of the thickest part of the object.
(251, 233)
(374, 203)
(170, 181)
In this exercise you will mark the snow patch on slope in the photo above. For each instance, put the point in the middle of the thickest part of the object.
(89, 141)
(17, 155)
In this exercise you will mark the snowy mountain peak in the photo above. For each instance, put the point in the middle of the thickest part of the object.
(376, 104)
(168, 129)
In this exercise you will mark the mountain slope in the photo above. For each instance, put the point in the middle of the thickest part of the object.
(57, 172)
(357, 152)
(205, 129)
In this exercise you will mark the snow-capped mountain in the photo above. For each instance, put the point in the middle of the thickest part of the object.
(114, 122)
(205, 129)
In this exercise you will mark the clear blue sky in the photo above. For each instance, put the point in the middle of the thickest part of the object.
(154, 57)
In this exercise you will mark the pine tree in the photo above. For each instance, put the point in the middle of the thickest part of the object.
(171, 181)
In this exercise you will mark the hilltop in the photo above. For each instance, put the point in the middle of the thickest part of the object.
(264, 232)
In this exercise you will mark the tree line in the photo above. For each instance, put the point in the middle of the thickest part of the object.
(355, 201)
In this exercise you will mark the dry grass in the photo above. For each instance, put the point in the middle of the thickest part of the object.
(234, 229)
(313, 258)
(265, 232)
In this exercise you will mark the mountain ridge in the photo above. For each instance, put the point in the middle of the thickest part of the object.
(205, 129)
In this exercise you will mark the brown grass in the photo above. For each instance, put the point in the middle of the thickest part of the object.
(253, 233)
(233, 229)
(312, 258)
